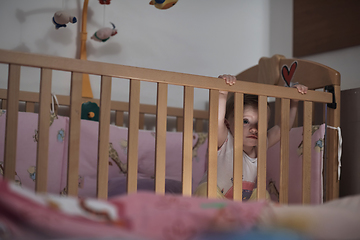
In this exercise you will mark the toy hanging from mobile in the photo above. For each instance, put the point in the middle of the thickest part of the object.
(102, 2)
(163, 4)
(104, 34)
(61, 18)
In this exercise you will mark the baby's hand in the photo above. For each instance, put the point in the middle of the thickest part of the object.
(229, 79)
(301, 88)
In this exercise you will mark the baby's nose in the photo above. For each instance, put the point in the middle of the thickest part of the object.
(253, 129)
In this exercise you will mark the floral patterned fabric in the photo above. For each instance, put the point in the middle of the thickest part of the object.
(295, 166)
(58, 153)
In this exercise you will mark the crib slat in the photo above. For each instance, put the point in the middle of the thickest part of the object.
(3, 104)
(179, 124)
(30, 107)
(119, 118)
(238, 144)
(133, 135)
(43, 131)
(199, 123)
(306, 168)
(160, 142)
(11, 121)
(213, 142)
(74, 134)
(103, 145)
(262, 136)
(187, 141)
(284, 151)
(141, 120)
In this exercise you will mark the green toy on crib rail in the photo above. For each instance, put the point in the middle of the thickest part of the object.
(90, 111)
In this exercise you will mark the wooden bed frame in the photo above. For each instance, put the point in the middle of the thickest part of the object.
(30, 101)
(263, 79)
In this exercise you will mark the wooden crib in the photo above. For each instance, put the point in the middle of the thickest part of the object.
(263, 79)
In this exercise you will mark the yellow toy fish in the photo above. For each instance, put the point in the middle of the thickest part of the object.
(163, 4)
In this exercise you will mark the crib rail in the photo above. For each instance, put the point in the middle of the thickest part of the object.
(162, 78)
(119, 107)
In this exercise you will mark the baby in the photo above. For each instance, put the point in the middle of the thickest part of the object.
(250, 141)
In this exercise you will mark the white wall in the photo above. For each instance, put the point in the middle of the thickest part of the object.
(206, 37)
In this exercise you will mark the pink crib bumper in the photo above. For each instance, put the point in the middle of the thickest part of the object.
(57, 167)
(58, 154)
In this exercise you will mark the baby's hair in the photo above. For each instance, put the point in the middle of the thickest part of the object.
(249, 100)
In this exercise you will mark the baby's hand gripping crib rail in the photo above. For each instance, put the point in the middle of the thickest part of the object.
(267, 73)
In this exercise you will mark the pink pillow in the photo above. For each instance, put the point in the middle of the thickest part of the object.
(295, 166)
(146, 156)
(27, 150)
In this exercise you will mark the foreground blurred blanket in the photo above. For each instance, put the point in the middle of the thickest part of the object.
(25, 215)
(145, 215)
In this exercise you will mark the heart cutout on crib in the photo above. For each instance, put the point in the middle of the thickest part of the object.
(287, 73)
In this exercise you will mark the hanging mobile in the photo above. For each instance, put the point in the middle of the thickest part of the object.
(104, 34)
(61, 18)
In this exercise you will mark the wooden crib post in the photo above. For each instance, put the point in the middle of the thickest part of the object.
(43, 130)
(284, 151)
(306, 158)
(238, 145)
(262, 149)
(332, 181)
(187, 140)
(160, 140)
(133, 136)
(11, 121)
(103, 144)
(213, 142)
(74, 134)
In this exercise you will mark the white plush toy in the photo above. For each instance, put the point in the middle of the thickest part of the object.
(61, 18)
(103, 34)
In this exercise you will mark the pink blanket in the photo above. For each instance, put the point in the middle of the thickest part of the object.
(138, 216)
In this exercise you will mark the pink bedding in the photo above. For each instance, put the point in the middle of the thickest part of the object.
(25, 215)
(148, 216)
(295, 166)
(58, 142)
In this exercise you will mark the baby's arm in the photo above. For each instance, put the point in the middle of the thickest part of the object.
(222, 129)
(274, 133)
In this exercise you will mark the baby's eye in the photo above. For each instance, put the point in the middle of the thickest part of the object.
(246, 121)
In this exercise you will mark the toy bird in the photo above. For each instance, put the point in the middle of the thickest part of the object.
(163, 4)
(61, 18)
(103, 34)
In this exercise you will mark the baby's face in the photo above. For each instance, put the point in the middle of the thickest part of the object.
(250, 123)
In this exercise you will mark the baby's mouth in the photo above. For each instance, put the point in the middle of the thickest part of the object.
(253, 137)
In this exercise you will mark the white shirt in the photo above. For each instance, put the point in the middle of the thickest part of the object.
(225, 170)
